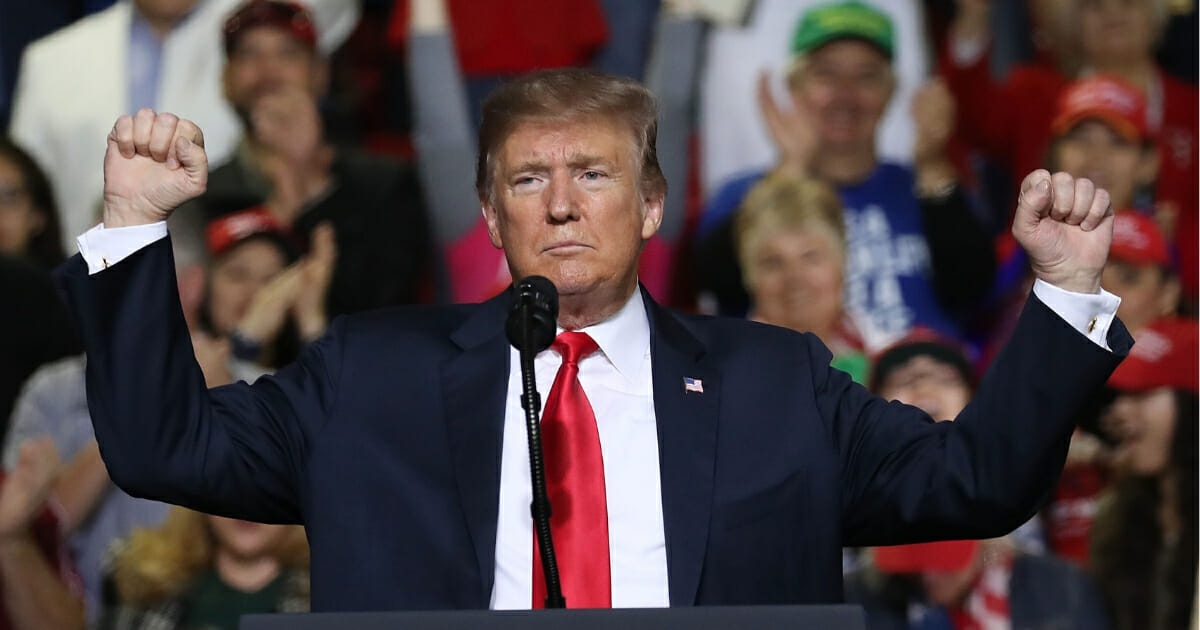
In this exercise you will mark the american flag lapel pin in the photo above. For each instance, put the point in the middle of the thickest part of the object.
(693, 385)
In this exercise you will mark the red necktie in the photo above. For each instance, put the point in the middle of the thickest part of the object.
(575, 483)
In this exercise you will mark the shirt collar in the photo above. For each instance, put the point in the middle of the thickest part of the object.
(624, 338)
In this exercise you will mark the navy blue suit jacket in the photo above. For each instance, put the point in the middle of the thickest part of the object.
(384, 440)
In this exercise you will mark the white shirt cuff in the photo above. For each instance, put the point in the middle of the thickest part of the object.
(103, 247)
(1089, 313)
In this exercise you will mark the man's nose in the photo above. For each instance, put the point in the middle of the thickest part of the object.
(562, 203)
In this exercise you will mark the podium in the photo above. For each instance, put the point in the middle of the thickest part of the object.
(823, 617)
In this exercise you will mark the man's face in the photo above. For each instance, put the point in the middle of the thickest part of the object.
(267, 60)
(566, 204)
(846, 84)
(1094, 150)
(934, 387)
(1115, 30)
(1146, 292)
(1144, 425)
(237, 275)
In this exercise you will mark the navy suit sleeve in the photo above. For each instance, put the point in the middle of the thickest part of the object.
(909, 479)
(237, 450)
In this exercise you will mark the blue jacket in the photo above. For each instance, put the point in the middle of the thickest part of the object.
(384, 440)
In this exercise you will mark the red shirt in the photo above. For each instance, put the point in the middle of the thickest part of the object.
(502, 37)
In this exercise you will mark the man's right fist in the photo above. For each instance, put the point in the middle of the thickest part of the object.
(154, 163)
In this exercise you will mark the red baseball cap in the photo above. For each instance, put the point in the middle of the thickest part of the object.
(1113, 101)
(1165, 355)
(224, 232)
(945, 556)
(1137, 239)
(289, 16)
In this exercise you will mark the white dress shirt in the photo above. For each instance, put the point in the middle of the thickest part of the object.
(619, 384)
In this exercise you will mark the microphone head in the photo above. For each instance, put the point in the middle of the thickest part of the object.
(537, 298)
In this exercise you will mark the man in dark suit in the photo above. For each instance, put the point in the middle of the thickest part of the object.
(711, 461)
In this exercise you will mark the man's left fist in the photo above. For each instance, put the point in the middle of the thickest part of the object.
(1065, 225)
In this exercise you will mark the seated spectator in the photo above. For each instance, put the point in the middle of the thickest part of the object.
(259, 298)
(202, 571)
(38, 586)
(791, 242)
(1011, 121)
(916, 254)
(273, 76)
(1144, 541)
(28, 217)
(161, 54)
(973, 584)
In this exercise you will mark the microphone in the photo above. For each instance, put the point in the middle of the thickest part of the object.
(531, 327)
(535, 304)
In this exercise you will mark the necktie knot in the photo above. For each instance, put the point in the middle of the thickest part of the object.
(574, 346)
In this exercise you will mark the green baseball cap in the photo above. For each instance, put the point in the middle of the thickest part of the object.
(843, 20)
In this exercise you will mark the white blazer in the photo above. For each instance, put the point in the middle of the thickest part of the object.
(74, 83)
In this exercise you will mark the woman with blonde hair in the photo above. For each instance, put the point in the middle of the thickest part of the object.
(204, 571)
(791, 243)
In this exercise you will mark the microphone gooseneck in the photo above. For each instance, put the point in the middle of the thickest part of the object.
(530, 328)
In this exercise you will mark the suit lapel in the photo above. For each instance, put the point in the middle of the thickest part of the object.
(687, 439)
(474, 385)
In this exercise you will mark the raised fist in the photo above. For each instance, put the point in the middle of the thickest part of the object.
(154, 163)
(1065, 225)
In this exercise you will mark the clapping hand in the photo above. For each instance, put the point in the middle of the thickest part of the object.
(1065, 225)
(794, 130)
(154, 163)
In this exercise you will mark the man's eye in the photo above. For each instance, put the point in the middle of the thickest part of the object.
(592, 175)
(523, 181)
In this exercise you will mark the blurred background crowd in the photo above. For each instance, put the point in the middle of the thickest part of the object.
(844, 168)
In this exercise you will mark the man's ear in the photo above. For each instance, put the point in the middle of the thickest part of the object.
(652, 215)
(492, 218)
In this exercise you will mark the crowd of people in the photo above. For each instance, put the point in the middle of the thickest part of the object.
(855, 182)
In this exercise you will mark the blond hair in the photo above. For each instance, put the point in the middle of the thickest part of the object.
(782, 201)
(157, 564)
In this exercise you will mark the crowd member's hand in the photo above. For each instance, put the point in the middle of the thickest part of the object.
(794, 130)
(1065, 225)
(933, 112)
(213, 356)
(154, 163)
(24, 490)
(270, 307)
(316, 270)
(1086, 448)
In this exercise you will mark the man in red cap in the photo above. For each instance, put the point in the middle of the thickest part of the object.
(273, 78)
(1139, 270)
